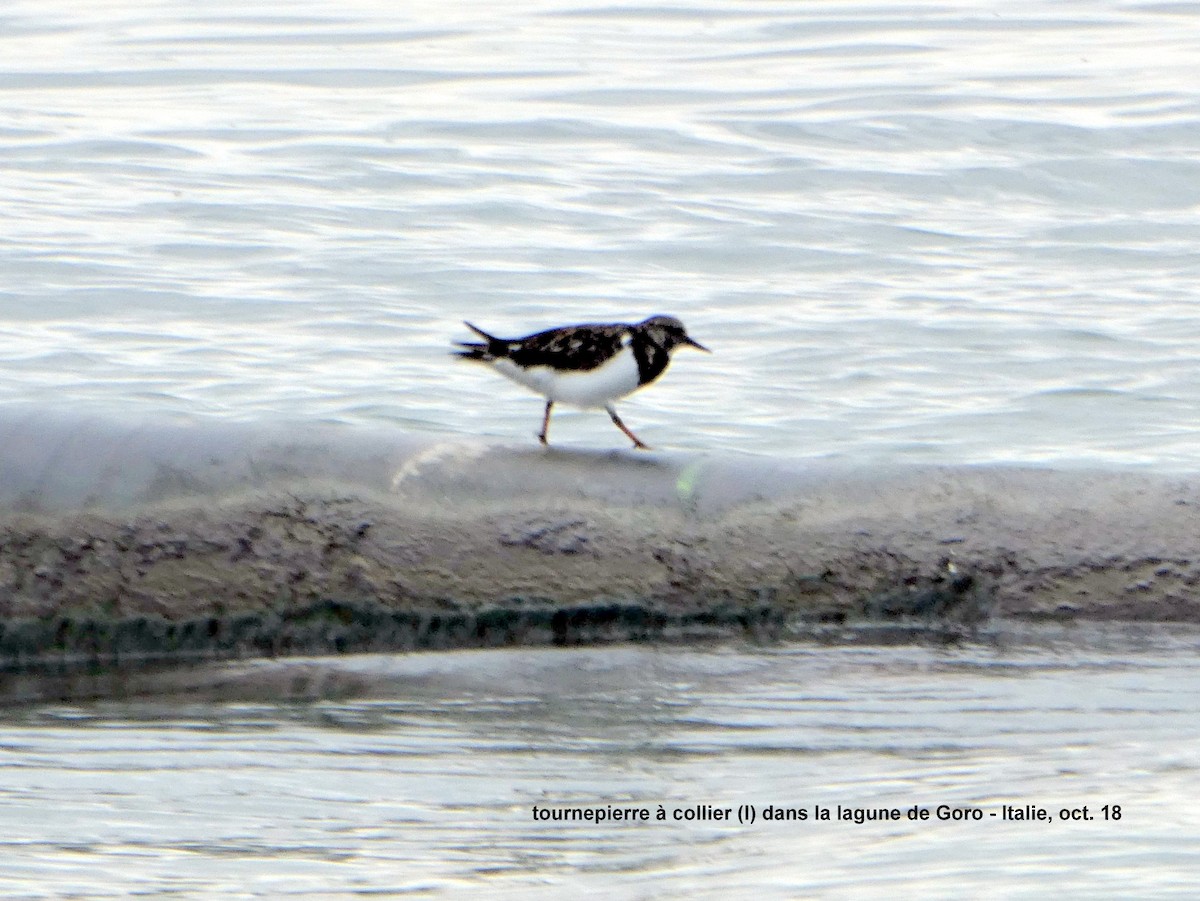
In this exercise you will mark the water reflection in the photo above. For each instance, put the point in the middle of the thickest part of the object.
(420, 772)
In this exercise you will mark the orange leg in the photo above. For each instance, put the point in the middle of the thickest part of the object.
(545, 424)
(637, 442)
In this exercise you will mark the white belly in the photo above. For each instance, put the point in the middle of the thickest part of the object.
(594, 388)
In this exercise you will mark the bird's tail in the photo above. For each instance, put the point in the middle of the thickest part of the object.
(490, 349)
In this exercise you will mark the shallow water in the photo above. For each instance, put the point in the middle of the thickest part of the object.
(419, 774)
(914, 231)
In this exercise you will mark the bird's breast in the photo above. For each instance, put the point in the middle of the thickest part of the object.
(612, 379)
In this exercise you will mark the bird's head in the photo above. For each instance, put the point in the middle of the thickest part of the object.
(668, 333)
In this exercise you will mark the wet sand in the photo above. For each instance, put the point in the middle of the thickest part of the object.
(190, 543)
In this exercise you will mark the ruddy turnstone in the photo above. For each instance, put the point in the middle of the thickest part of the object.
(584, 365)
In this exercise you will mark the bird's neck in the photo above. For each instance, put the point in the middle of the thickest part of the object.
(651, 359)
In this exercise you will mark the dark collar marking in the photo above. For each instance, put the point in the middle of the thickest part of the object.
(652, 359)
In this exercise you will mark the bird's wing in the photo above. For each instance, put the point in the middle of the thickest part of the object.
(580, 347)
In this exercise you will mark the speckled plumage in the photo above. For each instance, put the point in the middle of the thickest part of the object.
(589, 365)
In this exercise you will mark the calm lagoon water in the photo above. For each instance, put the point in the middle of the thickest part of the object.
(419, 774)
(930, 232)
(951, 233)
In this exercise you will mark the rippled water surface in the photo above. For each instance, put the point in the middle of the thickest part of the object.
(420, 774)
(951, 232)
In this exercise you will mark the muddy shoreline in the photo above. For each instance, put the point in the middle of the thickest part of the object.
(190, 544)
(314, 571)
